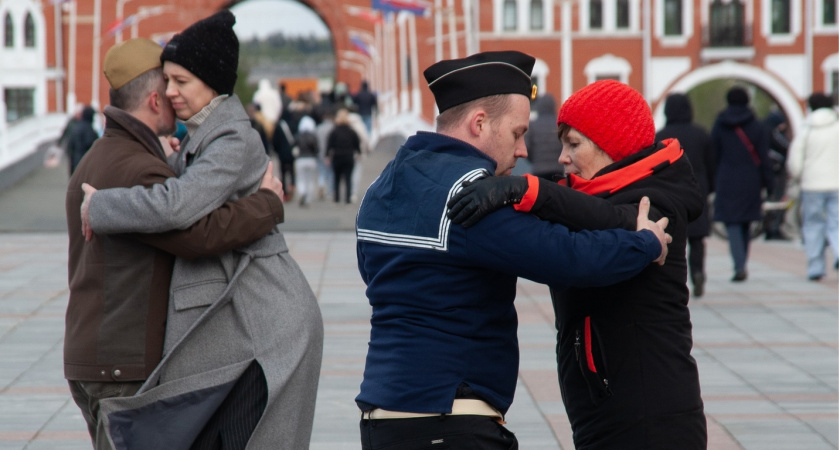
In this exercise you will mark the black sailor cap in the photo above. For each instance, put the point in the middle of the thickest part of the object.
(457, 81)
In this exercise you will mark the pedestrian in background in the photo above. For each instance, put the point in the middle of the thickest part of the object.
(119, 283)
(777, 126)
(81, 137)
(541, 140)
(271, 105)
(741, 146)
(343, 147)
(244, 332)
(322, 132)
(306, 163)
(284, 145)
(697, 144)
(813, 163)
(367, 105)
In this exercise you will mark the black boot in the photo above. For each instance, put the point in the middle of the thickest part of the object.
(698, 279)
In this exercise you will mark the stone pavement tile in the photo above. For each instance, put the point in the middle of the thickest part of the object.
(766, 433)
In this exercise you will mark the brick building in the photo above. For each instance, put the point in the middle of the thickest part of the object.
(52, 50)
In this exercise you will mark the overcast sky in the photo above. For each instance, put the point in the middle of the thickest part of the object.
(261, 18)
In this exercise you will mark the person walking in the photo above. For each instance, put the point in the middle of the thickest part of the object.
(623, 351)
(443, 359)
(81, 137)
(743, 170)
(679, 115)
(777, 126)
(343, 147)
(812, 163)
(244, 333)
(367, 105)
(306, 164)
(322, 132)
(285, 146)
(119, 284)
(541, 140)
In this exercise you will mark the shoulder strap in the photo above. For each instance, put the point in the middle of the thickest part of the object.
(743, 136)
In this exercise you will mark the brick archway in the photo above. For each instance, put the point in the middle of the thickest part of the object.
(333, 14)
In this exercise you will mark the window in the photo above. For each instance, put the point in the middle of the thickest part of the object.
(622, 14)
(29, 31)
(20, 103)
(673, 17)
(536, 14)
(596, 14)
(780, 20)
(726, 25)
(509, 15)
(829, 12)
(9, 32)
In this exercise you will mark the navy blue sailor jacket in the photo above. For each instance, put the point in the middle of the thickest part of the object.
(442, 295)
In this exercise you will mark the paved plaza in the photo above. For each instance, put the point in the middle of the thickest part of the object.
(767, 348)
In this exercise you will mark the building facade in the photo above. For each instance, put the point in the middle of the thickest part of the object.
(53, 49)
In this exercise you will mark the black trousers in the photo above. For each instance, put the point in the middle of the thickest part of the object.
(437, 433)
(696, 255)
(231, 426)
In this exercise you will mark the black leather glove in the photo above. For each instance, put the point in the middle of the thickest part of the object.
(483, 196)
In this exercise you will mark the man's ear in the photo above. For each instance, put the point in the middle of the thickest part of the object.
(478, 122)
(155, 102)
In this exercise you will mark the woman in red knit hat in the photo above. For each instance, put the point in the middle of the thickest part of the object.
(624, 351)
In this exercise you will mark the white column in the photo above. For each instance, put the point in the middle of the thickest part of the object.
(453, 35)
(403, 59)
(438, 30)
(565, 49)
(97, 43)
(416, 98)
(71, 64)
(58, 18)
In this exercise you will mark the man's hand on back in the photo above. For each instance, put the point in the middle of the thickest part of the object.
(658, 228)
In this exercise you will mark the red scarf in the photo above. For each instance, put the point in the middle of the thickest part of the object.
(621, 178)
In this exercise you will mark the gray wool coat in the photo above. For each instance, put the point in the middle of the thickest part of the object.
(251, 304)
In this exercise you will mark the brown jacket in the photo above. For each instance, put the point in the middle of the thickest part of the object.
(119, 284)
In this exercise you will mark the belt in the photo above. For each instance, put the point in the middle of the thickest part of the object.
(460, 407)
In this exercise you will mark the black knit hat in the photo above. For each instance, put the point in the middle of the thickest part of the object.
(209, 49)
(457, 81)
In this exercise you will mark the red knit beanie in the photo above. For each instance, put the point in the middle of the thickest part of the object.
(611, 114)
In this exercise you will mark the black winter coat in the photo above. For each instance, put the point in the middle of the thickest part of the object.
(740, 179)
(698, 148)
(624, 351)
(542, 141)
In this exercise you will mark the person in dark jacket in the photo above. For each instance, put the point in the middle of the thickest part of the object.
(367, 104)
(624, 360)
(283, 143)
(81, 137)
(698, 148)
(343, 146)
(541, 140)
(777, 126)
(741, 147)
(443, 357)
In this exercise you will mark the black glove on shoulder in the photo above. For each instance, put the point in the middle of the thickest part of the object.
(481, 197)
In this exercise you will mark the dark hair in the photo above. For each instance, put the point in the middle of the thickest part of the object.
(495, 105)
(819, 100)
(737, 96)
(131, 96)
